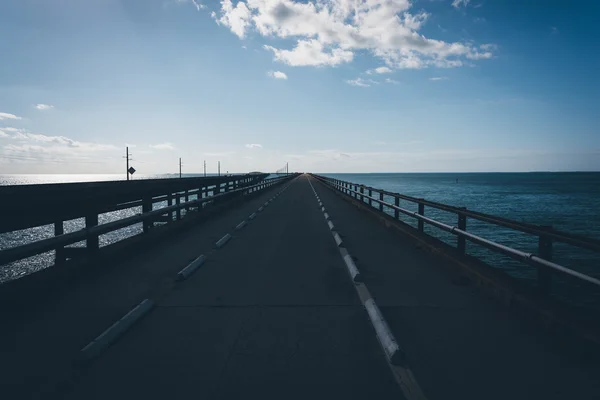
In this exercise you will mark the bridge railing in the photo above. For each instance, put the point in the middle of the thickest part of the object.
(205, 196)
(542, 261)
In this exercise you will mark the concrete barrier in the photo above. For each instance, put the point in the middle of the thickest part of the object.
(223, 241)
(326, 215)
(109, 336)
(240, 225)
(191, 267)
(330, 224)
(337, 238)
(252, 216)
(260, 209)
(384, 334)
(350, 266)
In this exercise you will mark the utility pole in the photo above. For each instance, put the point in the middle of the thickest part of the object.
(179, 167)
(219, 168)
(205, 168)
(287, 168)
(127, 162)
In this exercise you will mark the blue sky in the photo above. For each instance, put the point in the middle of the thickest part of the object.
(328, 86)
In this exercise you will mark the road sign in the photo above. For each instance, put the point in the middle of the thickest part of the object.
(131, 170)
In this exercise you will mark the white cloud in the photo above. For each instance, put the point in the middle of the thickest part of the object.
(254, 146)
(8, 116)
(235, 18)
(11, 129)
(277, 75)
(330, 32)
(22, 135)
(311, 53)
(44, 149)
(43, 106)
(380, 70)
(392, 81)
(163, 146)
(196, 4)
(438, 78)
(459, 3)
(359, 82)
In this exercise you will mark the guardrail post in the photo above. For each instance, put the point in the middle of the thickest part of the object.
(59, 255)
(380, 201)
(397, 204)
(421, 212)
(370, 195)
(170, 203)
(462, 225)
(92, 242)
(544, 274)
(178, 202)
(362, 194)
(146, 207)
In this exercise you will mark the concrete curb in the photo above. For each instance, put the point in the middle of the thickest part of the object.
(337, 238)
(330, 224)
(260, 209)
(240, 225)
(191, 268)
(108, 337)
(384, 334)
(252, 216)
(223, 241)
(326, 215)
(352, 270)
(323, 209)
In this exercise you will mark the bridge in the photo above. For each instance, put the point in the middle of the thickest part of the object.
(292, 287)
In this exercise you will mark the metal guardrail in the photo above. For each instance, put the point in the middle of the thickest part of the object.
(542, 261)
(91, 233)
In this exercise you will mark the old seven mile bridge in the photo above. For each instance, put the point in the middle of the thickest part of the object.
(294, 287)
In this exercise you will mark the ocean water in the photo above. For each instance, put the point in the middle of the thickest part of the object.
(568, 201)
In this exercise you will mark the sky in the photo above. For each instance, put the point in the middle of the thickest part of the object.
(326, 86)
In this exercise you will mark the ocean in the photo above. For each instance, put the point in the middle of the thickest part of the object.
(568, 201)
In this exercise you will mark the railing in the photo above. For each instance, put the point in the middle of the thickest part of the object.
(546, 235)
(219, 192)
